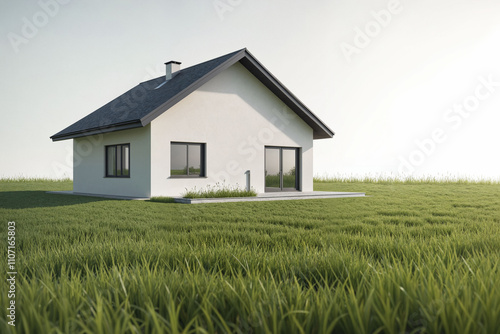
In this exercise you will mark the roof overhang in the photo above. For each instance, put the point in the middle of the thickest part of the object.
(97, 131)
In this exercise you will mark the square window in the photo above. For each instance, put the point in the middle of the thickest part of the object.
(187, 160)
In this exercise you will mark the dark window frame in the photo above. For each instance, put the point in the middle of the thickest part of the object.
(203, 160)
(116, 161)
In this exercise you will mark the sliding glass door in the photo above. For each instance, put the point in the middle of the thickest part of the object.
(281, 169)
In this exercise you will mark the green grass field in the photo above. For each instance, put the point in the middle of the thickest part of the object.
(417, 257)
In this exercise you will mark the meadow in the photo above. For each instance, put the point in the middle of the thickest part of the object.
(413, 257)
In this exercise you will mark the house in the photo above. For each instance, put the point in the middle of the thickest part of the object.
(226, 120)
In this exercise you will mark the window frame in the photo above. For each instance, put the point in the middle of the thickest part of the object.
(106, 175)
(203, 160)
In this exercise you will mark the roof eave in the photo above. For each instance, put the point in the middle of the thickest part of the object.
(323, 135)
(97, 131)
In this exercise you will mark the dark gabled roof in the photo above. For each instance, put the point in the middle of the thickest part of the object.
(148, 100)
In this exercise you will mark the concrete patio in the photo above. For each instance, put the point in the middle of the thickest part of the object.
(273, 196)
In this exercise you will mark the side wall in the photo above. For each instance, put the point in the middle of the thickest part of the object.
(236, 116)
(89, 164)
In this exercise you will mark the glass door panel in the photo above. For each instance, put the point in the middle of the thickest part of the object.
(273, 169)
(288, 170)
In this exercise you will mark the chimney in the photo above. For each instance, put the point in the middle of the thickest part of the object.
(172, 68)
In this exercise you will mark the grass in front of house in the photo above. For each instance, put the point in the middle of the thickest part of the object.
(420, 257)
(219, 190)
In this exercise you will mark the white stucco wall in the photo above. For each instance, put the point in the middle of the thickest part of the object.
(236, 116)
(89, 164)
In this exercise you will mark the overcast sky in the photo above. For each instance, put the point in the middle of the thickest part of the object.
(407, 86)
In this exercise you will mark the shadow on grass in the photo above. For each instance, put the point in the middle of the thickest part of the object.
(161, 199)
(40, 199)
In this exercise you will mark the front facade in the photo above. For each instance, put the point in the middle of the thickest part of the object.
(231, 130)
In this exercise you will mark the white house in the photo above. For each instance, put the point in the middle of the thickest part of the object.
(227, 120)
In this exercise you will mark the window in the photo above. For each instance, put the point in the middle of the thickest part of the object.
(118, 160)
(187, 160)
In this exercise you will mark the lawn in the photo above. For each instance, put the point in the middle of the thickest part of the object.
(420, 257)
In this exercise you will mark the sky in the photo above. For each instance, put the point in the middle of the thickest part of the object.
(408, 87)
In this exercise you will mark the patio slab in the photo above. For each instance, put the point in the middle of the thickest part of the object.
(275, 196)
